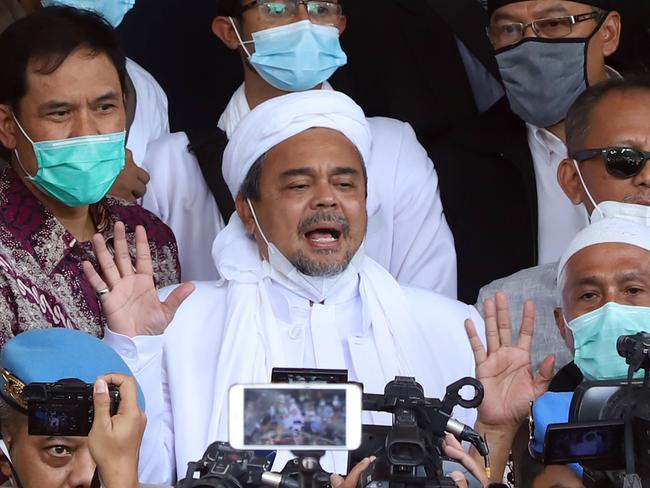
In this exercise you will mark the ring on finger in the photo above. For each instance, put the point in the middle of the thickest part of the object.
(103, 291)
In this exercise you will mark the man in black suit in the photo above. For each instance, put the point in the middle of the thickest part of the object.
(498, 173)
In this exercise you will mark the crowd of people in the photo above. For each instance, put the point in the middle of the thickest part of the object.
(378, 187)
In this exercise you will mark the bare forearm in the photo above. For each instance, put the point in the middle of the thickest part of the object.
(499, 439)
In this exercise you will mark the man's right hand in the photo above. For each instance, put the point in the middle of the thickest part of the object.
(128, 296)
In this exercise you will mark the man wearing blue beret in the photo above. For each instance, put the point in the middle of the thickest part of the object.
(108, 456)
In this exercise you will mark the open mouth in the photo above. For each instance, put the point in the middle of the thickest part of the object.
(324, 234)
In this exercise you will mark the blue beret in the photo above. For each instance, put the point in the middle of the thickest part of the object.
(54, 354)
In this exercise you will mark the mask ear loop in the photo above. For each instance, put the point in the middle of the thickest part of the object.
(259, 228)
(584, 186)
(20, 163)
(242, 43)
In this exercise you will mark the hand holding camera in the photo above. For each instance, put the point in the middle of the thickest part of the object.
(114, 441)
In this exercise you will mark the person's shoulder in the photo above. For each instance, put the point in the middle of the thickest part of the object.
(543, 276)
(168, 157)
(201, 309)
(172, 145)
(142, 79)
(429, 304)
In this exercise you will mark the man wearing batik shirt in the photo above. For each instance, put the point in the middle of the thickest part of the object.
(62, 118)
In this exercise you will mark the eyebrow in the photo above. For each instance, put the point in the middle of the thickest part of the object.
(59, 104)
(339, 170)
(107, 97)
(548, 11)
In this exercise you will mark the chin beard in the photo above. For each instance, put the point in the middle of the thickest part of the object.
(311, 267)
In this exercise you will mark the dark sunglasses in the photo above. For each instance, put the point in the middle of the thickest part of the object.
(620, 162)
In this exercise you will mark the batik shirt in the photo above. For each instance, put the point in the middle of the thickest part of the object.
(42, 283)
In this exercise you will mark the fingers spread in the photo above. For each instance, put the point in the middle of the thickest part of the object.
(527, 326)
(477, 346)
(122, 255)
(177, 297)
(545, 375)
(106, 261)
(503, 319)
(491, 328)
(95, 280)
(143, 263)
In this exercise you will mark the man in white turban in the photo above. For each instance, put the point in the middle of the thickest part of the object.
(296, 288)
(604, 283)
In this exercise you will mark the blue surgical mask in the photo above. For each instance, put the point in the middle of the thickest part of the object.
(80, 170)
(595, 335)
(297, 56)
(112, 10)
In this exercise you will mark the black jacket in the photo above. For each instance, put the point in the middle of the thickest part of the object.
(489, 193)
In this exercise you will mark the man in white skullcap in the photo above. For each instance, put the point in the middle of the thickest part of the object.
(297, 289)
(604, 284)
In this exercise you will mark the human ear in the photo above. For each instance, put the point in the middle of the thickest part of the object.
(7, 127)
(343, 22)
(569, 180)
(610, 33)
(245, 214)
(224, 30)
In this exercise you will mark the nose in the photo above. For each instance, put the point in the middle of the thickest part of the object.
(82, 470)
(301, 11)
(529, 31)
(83, 124)
(643, 178)
(324, 196)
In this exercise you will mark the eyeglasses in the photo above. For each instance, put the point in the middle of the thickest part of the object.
(283, 11)
(502, 35)
(620, 162)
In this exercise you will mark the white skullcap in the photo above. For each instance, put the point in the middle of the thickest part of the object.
(605, 231)
(280, 118)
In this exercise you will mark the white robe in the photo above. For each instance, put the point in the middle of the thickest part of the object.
(177, 371)
(151, 119)
(407, 231)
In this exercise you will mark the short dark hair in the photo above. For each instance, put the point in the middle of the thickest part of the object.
(52, 34)
(578, 120)
(250, 188)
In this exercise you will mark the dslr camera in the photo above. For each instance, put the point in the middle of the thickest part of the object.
(608, 432)
(64, 408)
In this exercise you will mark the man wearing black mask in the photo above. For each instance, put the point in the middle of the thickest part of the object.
(548, 52)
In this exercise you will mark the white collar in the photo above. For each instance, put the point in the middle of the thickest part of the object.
(238, 108)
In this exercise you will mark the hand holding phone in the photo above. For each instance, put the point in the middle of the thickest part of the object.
(295, 416)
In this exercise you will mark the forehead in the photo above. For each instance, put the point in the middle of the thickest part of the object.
(618, 117)
(606, 261)
(312, 148)
(83, 73)
(536, 8)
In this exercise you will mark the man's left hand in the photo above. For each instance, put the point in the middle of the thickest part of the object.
(132, 181)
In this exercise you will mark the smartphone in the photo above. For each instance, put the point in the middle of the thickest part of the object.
(295, 416)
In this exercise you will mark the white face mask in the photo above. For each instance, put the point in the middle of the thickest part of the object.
(639, 214)
(314, 288)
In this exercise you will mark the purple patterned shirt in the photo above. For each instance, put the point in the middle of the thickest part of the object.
(41, 280)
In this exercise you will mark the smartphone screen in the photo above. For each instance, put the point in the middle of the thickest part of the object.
(295, 416)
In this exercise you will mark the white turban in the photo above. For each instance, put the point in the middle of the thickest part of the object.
(280, 118)
(608, 230)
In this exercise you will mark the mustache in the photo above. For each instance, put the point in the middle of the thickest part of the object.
(317, 218)
(640, 198)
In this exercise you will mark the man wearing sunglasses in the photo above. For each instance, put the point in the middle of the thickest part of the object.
(608, 138)
(290, 46)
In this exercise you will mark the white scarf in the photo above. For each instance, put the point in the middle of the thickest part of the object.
(249, 306)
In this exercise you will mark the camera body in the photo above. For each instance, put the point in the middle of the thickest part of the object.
(64, 408)
(412, 452)
(224, 467)
(608, 429)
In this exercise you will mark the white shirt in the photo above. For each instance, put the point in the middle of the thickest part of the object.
(151, 119)
(177, 370)
(559, 219)
(407, 231)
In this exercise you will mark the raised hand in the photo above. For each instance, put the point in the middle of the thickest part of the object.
(129, 298)
(506, 369)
